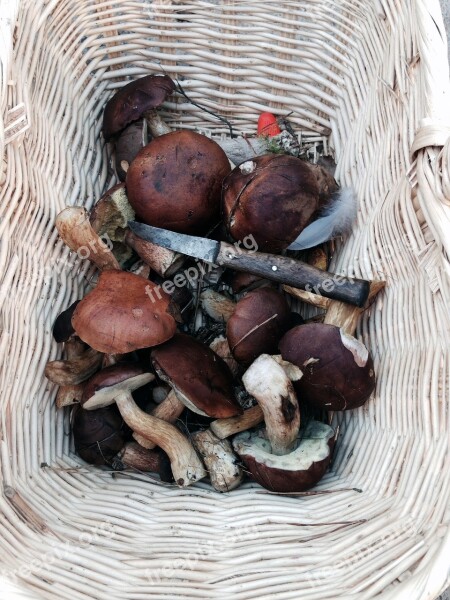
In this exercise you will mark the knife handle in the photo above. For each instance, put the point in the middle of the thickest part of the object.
(295, 273)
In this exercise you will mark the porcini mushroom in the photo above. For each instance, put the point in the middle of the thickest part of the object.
(134, 99)
(200, 378)
(115, 384)
(273, 197)
(251, 417)
(268, 383)
(76, 231)
(175, 182)
(168, 410)
(72, 393)
(98, 434)
(338, 372)
(130, 141)
(259, 321)
(220, 460)
(221, 347)
(62, 327)
(297, 471)
(119, 316)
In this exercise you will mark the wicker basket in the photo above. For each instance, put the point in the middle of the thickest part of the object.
(370, 79)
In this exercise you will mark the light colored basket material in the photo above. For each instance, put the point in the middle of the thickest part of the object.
(362, 73)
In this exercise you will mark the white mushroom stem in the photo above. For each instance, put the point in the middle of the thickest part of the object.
(224, 428)
(268, 383)
(187, 467)
(76, 370)
(221, 347)
(162, 260)
(156, 125)
(76, 231)
(169, 410)
(292, 371)
(220, 460)
(217, 306)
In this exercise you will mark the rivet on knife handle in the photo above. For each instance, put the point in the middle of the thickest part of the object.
(295, 273)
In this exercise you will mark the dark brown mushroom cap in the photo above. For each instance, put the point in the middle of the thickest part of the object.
(198, 375)
(62, 327)
(295, 472)
(272, 197)
(175, 182)
(110, 377)
(259, 321)
(133, 100)
(245, 282)
(338, 372)
(98, 434)
(121, 314)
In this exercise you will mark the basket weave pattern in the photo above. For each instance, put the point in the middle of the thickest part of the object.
(369, 77)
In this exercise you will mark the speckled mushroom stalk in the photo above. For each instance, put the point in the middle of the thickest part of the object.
(251, 417)
(163, 261)
(168, 410)
(220, 460)
(76, 370)
(115, 384)
(72, 393)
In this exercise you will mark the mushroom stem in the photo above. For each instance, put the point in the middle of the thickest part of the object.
(169, 410)
(162, 260)
(224, 428)
(308, 297)
(345, 315)
(71, 394)
(134, 456)
(76, 231)
(74, 371)
(220, 460)
(187, 467)
(268, 383)
(217, 306)
(221, 347)
(155, 123)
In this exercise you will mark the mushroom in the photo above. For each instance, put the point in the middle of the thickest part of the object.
(217, 306)
(133, 100)
(74, 371)
(251, 417)
(220, 460)
(259, 321)
(200, 378)
(246, 282)
(72, 393)
(115, 384)
(326, 183)
(76, 231)
(130, 141)
(134, 456)
(162, 260)
(298, 471)
(62, 327)
(99, 434)
(338, 372)
(118, 316)
(266, 380)
(175, 182)
(273, 197)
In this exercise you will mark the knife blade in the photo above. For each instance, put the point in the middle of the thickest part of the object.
(269, 266)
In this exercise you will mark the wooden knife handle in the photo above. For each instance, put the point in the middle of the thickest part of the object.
(295, 273)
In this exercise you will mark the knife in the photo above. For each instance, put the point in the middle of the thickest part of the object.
(269, 266)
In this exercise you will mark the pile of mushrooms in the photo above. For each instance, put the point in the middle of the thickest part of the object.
(217, 378)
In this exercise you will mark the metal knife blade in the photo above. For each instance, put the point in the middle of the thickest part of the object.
(178, 242)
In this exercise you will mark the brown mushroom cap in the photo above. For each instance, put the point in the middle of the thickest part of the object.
(108, 379)
(295, 472)
(62, 327)
(338, 372)
(247, 336)
(175, 182)
(99, 434)
(118, 316)
(272, 197)
(199, 377)
(133, 100)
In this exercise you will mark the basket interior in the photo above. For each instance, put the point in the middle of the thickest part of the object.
(349, 74)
